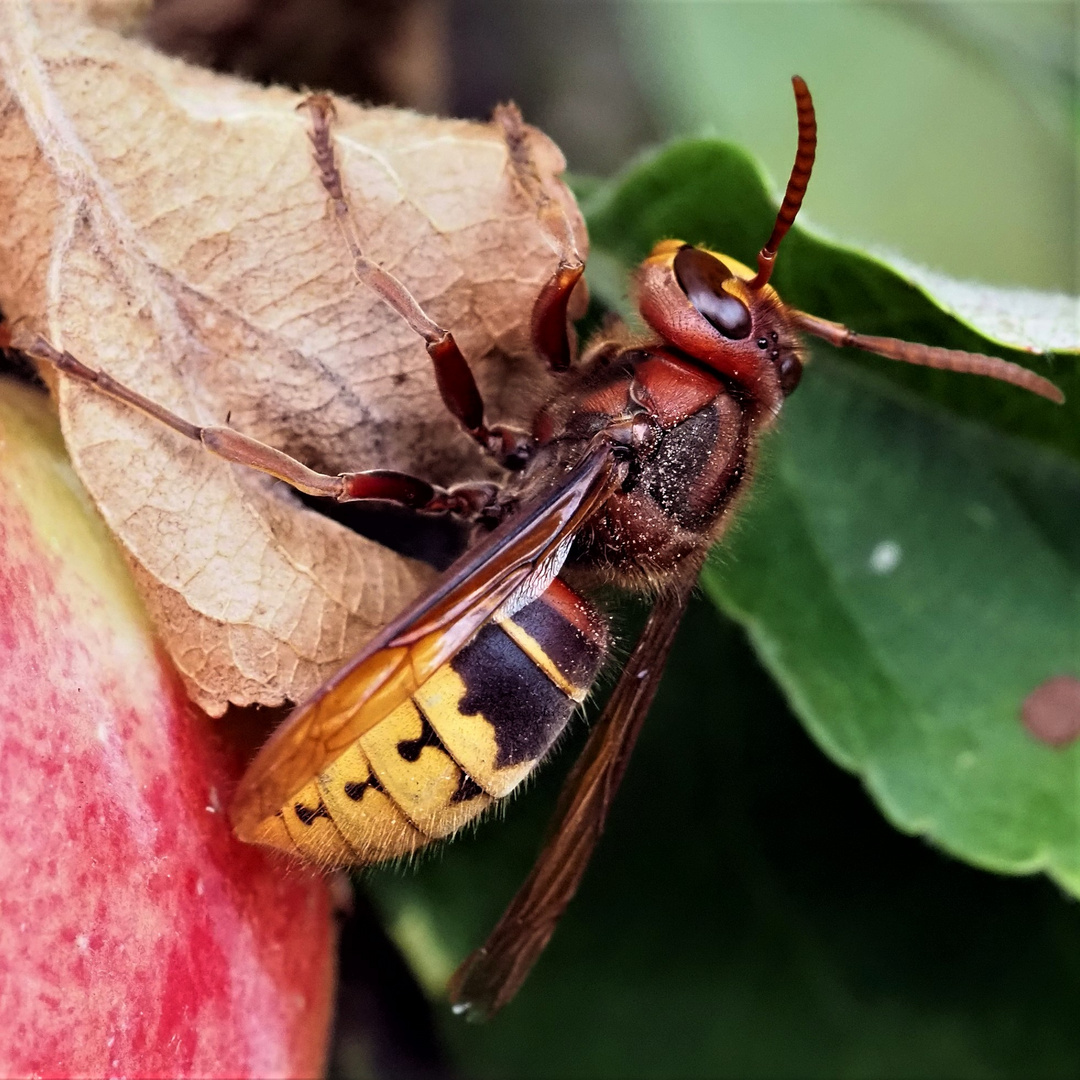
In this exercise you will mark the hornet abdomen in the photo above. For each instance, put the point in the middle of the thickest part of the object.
(467, 737)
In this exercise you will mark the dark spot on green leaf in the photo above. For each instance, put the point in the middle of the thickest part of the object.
(1051, 712)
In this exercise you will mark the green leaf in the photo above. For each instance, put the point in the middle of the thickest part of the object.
(907, 603)
(908, 565)
(748, 913)
(946, 130)
(709, 192)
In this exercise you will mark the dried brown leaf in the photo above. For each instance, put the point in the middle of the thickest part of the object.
(166, 224)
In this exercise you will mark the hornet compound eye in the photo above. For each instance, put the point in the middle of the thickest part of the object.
(701, 276)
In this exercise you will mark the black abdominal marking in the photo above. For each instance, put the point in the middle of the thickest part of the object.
(576, 655)
(307, 815)
(523, 706)
(409, 749)
(355, 789)
(467, 788)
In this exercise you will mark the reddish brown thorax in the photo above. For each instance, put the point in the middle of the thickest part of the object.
(690, 400)
(687, 453)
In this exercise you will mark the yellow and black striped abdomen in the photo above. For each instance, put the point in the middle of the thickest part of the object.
(467, 737)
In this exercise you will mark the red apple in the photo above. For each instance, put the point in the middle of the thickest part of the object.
(137, 935)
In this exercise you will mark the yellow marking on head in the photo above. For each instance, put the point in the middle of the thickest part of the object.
(664, 252)
(373, 824)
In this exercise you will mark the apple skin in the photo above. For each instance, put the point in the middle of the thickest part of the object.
(138, 937)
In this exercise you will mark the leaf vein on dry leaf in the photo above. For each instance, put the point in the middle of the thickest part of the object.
(189, 253)
(262, 526)
(267, 337)
(364, 150)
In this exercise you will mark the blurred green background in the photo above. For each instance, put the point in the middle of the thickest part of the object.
(949, 123)
(947, 130)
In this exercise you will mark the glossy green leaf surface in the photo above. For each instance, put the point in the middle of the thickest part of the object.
(906, 565)
(748, 914)
(708, 192)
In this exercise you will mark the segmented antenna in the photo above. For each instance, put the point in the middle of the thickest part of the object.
(796, 185)
(910, 352)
